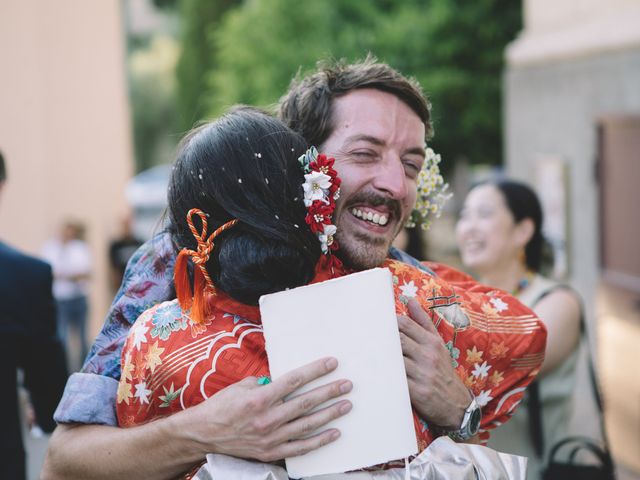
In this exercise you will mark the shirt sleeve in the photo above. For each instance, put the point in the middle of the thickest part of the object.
(89, 396)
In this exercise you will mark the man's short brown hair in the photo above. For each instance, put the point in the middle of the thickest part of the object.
(307, 106)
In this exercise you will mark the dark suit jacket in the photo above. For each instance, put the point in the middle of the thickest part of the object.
(27, 341)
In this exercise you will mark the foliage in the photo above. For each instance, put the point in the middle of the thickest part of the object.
(459, 62)
(199, 19)
(453, 48)
(165, 4)
(152, 84)
(262, 45)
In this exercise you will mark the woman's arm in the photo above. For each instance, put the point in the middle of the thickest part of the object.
(560, 311)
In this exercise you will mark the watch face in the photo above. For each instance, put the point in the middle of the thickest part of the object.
(474, 421)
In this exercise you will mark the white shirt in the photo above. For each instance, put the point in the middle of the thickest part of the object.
(68, 260)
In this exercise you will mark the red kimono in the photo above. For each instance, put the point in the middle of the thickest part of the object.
(170, 363)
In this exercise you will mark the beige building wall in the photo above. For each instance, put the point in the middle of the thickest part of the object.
(551, 16)
(64, 126)
(575, 64)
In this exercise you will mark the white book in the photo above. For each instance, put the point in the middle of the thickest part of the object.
(353, 319)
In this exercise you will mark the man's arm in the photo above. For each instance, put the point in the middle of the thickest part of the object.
(246, 420)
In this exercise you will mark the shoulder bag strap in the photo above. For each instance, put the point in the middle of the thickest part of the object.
(534, 418)
(534, 405)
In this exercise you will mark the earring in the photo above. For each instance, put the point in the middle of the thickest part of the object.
(522, 256)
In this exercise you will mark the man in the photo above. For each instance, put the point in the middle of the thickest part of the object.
(70, 258)
(121, 249)
(27, 341)
(374, 122)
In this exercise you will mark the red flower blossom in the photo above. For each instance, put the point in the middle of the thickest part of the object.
(331, 262)
(324, 164)
(319, 214)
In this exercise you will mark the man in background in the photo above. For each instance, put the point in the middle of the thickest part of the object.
(121, 250)
(27, 341)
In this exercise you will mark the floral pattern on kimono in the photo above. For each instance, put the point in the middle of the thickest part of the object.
(170, 363)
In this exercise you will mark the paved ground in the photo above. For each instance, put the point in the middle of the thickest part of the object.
(36, 448)
(619, 337)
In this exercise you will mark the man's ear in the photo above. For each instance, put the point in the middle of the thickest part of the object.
(524, 231)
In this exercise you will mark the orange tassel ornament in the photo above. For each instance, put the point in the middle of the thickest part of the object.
(196, 300)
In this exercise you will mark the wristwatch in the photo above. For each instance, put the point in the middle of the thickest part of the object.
(470, 422)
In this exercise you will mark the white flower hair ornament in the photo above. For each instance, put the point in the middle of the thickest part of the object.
(432, 192)
(321, 190)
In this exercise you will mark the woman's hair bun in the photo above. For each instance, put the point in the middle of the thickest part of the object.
(245, 166)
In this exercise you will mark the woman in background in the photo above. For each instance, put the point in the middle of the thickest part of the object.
(499, 234)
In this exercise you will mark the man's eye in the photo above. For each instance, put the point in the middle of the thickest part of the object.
(363, 154)
(412, 169)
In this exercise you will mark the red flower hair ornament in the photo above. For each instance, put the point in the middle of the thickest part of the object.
(321, 190)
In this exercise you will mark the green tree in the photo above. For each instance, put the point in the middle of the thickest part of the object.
(199, 19)
(165, 4)
(262, 45)
(453, 48)
(152, 84)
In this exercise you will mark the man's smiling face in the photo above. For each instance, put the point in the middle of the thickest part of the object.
(378, 144)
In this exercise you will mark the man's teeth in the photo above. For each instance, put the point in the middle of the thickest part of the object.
(371, 217)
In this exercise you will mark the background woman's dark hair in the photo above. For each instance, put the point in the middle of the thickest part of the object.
(244, 166)
(523, 203)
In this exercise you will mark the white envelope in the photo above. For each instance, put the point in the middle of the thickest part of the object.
(353, 319)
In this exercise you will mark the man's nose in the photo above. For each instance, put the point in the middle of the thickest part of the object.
(391, 178)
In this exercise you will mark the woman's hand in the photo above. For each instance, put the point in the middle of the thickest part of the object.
(249, 420)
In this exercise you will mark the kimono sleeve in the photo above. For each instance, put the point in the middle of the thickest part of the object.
(502, 349)
(496, 343)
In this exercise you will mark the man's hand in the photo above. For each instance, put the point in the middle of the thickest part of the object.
(244, 420)
(248, 420)
(436, 392)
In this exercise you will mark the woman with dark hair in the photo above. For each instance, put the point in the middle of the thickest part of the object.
(255, 179)
(499, 234)
(251, 211)
(237, 217)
